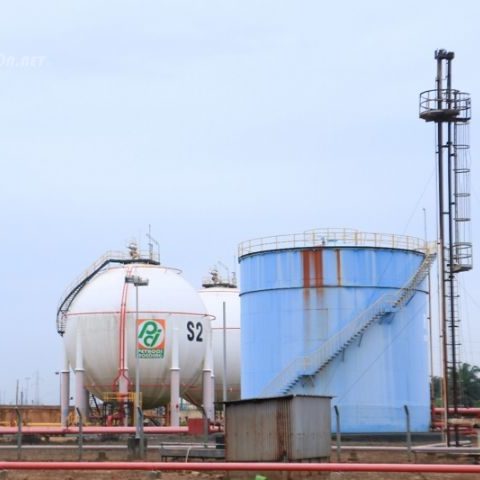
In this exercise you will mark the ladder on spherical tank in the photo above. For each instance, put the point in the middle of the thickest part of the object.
(450, 110)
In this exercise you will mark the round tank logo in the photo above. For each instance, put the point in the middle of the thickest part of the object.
(150, 338)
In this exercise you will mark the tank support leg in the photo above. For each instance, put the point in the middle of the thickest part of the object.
(65, 392)
(208, 383)
(175, 383)
(80, 392)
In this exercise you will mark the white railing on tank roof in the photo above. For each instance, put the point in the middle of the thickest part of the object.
(310, 364)
(332, 237)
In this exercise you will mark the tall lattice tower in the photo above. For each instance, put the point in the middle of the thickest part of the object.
(450, 110)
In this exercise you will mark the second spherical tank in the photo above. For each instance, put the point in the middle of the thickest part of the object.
(215, 297)
(100, 334)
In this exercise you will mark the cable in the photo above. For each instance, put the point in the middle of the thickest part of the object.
(415, 208)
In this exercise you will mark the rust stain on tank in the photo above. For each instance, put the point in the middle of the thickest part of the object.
(318, 267)
(306, 267)
(307, 283)
(312, 268)
(313, 291)
(339, 266)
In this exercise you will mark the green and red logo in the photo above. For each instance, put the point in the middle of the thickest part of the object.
(150, 338)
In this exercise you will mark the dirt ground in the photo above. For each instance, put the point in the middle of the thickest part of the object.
(103, 453)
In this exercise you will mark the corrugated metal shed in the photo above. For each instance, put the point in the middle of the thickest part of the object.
(294, 427)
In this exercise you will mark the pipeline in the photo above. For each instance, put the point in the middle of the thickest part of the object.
(252, 467)
(93, 430)
(465, 424)
(460, 410)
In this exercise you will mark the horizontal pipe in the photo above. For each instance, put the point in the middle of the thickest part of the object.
(462, 410)
(458, 425)
(252, 467)
(92, 430)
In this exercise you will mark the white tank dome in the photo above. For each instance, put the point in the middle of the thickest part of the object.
(213, 297)
(101, 322)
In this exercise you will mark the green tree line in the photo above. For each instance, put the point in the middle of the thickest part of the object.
(468, 383)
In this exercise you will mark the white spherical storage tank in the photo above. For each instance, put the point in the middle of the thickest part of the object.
(101, 331)
(214, 298)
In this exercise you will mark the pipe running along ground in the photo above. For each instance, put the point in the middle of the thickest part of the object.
(253, 467)
(93, 430)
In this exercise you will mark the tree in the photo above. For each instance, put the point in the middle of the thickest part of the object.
(468, 386)
(437, 391)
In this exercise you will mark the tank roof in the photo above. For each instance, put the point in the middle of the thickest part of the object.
(216, 280)
(334, 237)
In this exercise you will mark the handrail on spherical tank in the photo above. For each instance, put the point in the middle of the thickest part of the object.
(101, 263)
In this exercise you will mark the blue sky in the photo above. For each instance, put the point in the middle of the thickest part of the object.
(215, 122)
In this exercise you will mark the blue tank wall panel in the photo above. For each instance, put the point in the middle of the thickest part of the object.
(376, 376)
(328, 267)
(294, 300)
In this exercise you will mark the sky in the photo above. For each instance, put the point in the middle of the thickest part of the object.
(214, 122)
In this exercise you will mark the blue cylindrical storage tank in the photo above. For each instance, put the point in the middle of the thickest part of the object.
(343, 313)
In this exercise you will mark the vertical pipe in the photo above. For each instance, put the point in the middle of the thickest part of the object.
(224, 354)
(141, 439)
(451, 275)
(175, 382)
(441, 246)
(408, 432)
(207, 380)
(429, 317)
(338, 435)
(123, 375)
(211, 415)
(19, 433)
(80, 396)
(137, 371)
(80, 434)
(64, 391)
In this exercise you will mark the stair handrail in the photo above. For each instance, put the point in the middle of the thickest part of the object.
(302, 363)
(338, 342)
(324, 353)
(385, 304)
